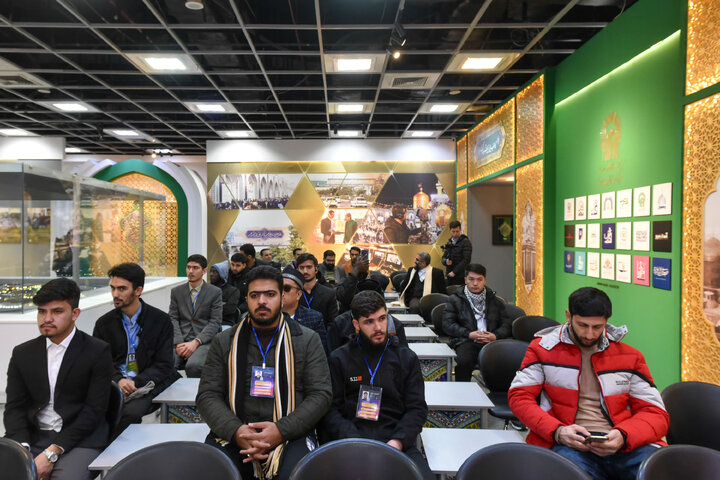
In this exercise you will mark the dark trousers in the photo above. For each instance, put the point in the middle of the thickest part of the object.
(619, 466)
(133, 411)
(418, 459)
(72, 465)
(467, 354)
(414, 305)
(456, 280)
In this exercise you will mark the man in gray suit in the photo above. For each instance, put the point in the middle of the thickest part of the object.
(196, 315)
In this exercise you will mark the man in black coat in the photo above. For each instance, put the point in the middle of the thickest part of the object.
(456, 255)
(378, 388)
(421, 280)
(58, 387)
(314, 295)
(141, 343)
(474, 316)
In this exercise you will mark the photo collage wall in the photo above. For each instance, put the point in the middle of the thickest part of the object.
(621, 235)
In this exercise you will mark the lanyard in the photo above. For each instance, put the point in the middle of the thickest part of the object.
(131, 331)
(195, 299)
(269, 344)
(306, 299)
(371, 372)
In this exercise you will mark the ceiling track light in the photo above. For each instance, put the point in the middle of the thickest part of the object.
(194, 5)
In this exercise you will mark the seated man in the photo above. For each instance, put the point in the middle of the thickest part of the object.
(342, 331)
(357, 281)
(378, 388)
(230, 295)
(236, 277)
(589, 383)
(140, 338)
(196, 315)
(474, 316)
(421, 280)
(266, 256)
(329, 272)
(58, 387)
(257, 425)
(320, 298)
(293, 282)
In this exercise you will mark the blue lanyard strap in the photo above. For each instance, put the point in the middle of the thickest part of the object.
(195, 299)
(370, 371)
(131, 332)
(306, 299)
(264, 353)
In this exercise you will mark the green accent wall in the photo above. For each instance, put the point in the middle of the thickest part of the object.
(644, 86)
(138, 166)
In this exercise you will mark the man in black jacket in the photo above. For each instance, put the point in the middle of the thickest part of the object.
(456, 256)
(314, 295)
(421, 280)
(230, 295)
(474, 316)
(378, 388)
(141, 343)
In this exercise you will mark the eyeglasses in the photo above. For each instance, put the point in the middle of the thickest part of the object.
(289, 288)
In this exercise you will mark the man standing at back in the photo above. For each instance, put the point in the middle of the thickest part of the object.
(141, 343)
(196, 313)
(456, 256)
(598, 405)
(58, 386)
(318, 297)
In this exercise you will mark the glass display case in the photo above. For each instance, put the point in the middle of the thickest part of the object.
(54, 224)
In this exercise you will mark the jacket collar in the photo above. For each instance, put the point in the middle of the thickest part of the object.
(552, 336)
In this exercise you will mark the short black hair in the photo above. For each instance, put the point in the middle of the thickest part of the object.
(305, 257)
(239, 257)
(199, 259)
(58, 289)
(590, 302)
(328, 253)
(248, 249)
(355, 249)
(366, 303)
(295, 250)
(265, 272)
(476, 268)
(264, 250)
(132, 272)
(454, 224)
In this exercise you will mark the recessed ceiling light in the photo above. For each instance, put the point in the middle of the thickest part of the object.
(210, 107)
(421, 133)
(444, 108)
(482, 63)
(346, 134)
(237, 133)
(354, 64)
(125, 133)
(455, 92)
(74, 150)
(350, 107)
(194, 5)
(16, 132)
(70, 107)
(470, 62)
(165, 63)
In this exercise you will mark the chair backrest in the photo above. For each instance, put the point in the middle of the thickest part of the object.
(176, 460)
(514, 311)
(17, 463)
(525, 327)
(382, 279)
(436, 315)
(499, 362)
(692, 421)
(115, 407)
(397, 278)
(519, 461)
(351, 457)
(681, 461)
(430, 301)
(454, 288)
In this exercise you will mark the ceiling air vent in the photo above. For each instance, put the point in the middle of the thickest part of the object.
(410, 81)
(20, 80)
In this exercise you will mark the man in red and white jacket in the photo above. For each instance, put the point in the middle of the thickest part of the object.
(588, 396)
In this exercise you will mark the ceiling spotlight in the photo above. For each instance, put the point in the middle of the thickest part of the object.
(396, 54)
(44, 90)
(194, 5)
(454, 92)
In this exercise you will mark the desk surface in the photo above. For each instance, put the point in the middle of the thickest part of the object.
(182, 392)
(408, 318)
(139, 436)
(456, 396)
(391, 295)
(432, 350)
(415, 333)
(447, 448)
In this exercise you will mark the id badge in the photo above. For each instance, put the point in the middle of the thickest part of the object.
(262, 383)
(132, 365)
(368, 406)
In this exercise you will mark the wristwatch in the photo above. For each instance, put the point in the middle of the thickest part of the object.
(51, 456)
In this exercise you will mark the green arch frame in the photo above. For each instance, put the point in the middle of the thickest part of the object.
(135, 165)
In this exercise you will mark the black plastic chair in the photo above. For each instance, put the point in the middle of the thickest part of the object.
(115, 407)
(382, 279)
(514, 311)
(356, 459)
(17, 463)
(454, 288)
(524, 328)
(436, 316)
(499, 362)
(681, 461)
(396, 278)
(693, 420)
(430, 301)
(519, 461)
(176, 460)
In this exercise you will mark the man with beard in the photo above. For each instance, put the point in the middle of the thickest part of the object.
(331, 274)
(265, 385)
(378, 388)
(318, 297)
(421, 280)
(293, 282)
(598, 404)
(141, 344)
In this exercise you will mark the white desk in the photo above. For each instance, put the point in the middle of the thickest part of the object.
(435, 360)
(420, 334)
(450, 402)
(182, 392)
(396, 307)
(409, 319)
(139, 436)
(391, 296)
(447, 448)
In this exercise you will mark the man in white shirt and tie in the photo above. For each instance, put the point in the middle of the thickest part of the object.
(58, 388)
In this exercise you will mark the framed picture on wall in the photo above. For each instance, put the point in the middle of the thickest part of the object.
(502, 230)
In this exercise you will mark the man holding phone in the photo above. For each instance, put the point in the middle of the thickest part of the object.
(598, 404)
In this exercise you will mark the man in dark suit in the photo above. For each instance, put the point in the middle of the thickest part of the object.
(196, 315)
(327, 227)
(58, 388)
(314, 295)
(421, 280)
(141, 343)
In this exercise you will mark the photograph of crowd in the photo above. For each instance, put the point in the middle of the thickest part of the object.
(10, 225)
(354, 190)
(711, 261)
(370, 230)
(250, 191)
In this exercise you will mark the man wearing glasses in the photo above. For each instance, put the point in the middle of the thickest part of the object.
(293, 282)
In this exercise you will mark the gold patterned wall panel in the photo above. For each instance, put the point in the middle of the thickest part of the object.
(160, 223)
(461, 152)
(461, 209)
(530, 120)
(491, 144)
(529, 238)
(703, 48)
(700, 346)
